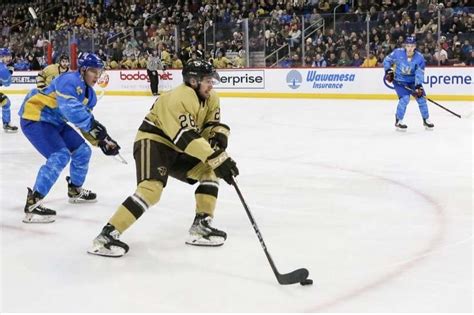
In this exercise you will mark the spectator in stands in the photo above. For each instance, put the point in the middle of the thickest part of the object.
(357, 61)
(440, 56)
(176, 63)
(282, 18)
(239, 61)
(286, 62)
(164, 55)
(344, 60)
(332, 60)
(427, 55)
(370, 61)
(294, 36)
(221, 62)
(324, 6)
(21, 64)
(319, 62)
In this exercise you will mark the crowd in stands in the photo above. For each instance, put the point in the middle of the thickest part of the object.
(125, 32)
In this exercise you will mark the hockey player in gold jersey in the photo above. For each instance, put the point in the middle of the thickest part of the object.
(182, 137)
(47, 75)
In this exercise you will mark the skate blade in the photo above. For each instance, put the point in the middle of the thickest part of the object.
(10, 131)
(35, 218)
(429, 128)
(213, 241)
(74, 200)
(114, 251)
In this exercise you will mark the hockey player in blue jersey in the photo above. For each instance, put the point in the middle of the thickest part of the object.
(407, 79)
(44, 120)
(5, 80)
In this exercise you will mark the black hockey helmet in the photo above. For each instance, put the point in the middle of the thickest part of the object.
(199, 69)
(64, 57)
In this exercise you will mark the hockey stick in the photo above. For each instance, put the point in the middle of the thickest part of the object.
(120, 158)
(297, 276)
(448, 110)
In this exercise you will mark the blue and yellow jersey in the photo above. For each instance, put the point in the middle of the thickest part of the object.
(5, 75)
(406, 71)
(67, 99)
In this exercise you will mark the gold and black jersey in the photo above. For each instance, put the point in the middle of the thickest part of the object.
(47, 75)
(181, 121)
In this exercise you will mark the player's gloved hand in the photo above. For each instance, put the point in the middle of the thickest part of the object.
(219, 136)
(419, 91)
(389, 75)
(223, 165)
(11, 69)
(109, 146)
(98, 131)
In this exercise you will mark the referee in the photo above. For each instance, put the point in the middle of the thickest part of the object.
(152, 66)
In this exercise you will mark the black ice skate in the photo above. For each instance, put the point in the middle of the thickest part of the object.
(400, 125)
(9, 128)
(107, 243)
(79, 194)
(34, 210)
(202, 233)
(428, 124)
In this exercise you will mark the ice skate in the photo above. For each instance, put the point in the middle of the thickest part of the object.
(79, 194)
(9, 128)
(107, 243)
(428, 124)
(400, 125)
(202, 233)
(35, 212)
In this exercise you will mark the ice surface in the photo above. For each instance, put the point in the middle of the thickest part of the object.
(382, 219)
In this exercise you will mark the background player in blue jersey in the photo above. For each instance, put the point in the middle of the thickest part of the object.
(45, 115)
(407, 79)
(5, 80)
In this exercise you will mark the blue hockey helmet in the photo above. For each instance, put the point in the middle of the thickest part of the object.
(4, 52)
(89, 60)
(410, 40)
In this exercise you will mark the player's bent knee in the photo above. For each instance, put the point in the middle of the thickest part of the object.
(82, 153)
(150, 191)
(60, 158)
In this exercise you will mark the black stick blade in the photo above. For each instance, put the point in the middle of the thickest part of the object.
(293, 277)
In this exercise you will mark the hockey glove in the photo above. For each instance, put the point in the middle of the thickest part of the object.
(10, 69)
(419, 91)
(218, 138)
(98, 131)
(109, 146)
(389, 75)
(223, 165)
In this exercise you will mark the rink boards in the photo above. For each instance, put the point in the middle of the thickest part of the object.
(442, 83)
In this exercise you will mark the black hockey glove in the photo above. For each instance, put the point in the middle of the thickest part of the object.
(389, 75)
(419, 91)
(219, 136)
(98, 131)
(223, 165)
(11, 69)
(109, 146)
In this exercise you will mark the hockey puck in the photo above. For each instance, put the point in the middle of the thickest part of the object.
(306, 282)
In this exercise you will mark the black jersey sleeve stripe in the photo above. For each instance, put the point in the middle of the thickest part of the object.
(146, 127)
(184, 138)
